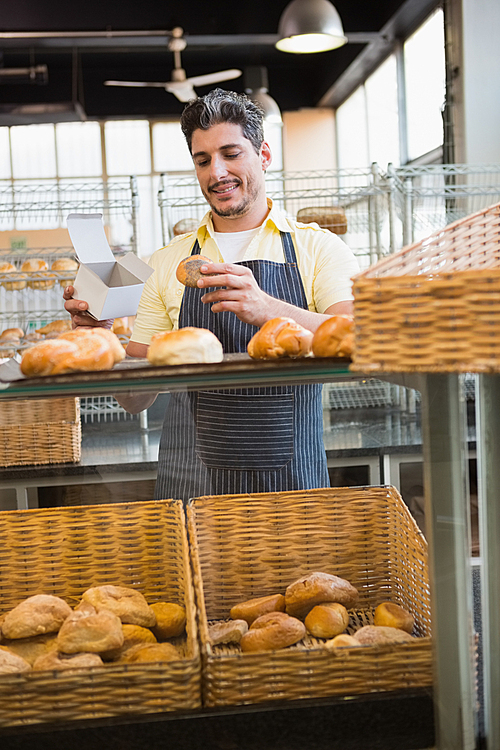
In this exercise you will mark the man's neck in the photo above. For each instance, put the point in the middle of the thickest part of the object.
(251, 220)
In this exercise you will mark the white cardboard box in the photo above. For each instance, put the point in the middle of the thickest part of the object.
(112, 288)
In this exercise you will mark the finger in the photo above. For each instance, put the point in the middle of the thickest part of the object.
(68, 292)
(232, 268)
(225, 280)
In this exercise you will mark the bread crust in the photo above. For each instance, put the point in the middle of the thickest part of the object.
(151, 652)
(11, 663)
(251, 609)
(170, 619)
(187, 345)
(58, 356)
(90, 631)
(280, 337)
(111, 339)
(227, 632)
(188, 271)
(327, 620)
(334, 337)
(128, 604)
(315, 588)
(36, 615)
(373, 634)
(392, 615)
(67, 662)
(273, 631)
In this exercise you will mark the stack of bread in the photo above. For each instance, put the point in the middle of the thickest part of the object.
(110, 624)
(317, 605)
(284, 337)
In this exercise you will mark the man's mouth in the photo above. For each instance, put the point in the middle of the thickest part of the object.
(224, 189)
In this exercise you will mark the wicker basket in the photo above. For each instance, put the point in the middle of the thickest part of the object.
(40, 431)
(244, 546)
(435, 305)
(64, 552)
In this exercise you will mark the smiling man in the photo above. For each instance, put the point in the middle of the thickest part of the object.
(266, 265)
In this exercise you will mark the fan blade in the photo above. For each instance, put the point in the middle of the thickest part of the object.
(183, 90)
(139, 84)
(222, 75)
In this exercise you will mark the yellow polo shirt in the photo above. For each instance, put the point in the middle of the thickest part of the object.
(325, 263)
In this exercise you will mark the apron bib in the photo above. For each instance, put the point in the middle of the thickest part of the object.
(244, 440)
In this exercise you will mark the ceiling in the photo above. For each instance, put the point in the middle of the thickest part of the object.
(219, 35)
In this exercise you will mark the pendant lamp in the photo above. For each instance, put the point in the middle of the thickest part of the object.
(308, 26)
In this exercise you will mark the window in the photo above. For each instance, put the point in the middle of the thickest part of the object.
(171, 153)
(128, 149)
(78, 149)
(352, 133)
(382, 112)
(4, 154)
(33, 151)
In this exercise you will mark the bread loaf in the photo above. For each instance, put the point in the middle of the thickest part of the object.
(188, 271)
(11, 663)
(273, 631)
(90, 631)
(56, 326)
(327, 620)
(128, 604)
(36, 615)
(11, 333)
(186, 346)
(9, 268)
(67, 662)
(133, 635)
(35, 265)
(111, 339)
(280, 337)
(334, 337)
(373, 634)
(342, 641)
(170, 619)
(65, 264)
(227, 632)
(392, 615)
(59, 356)
(316, 588)
(253, 608)
(151, 652)
(31, 648)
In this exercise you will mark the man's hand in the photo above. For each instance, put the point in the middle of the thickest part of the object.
(78, 311)
(239, 293)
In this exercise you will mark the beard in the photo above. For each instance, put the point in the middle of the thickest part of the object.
(241, 208)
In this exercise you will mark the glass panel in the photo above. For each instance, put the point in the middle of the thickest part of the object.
(425, 86)
(5, 172)
(170, 151)
(78, 149)
(352, 135)
(383, 121)
(33, 151)
(127, 147)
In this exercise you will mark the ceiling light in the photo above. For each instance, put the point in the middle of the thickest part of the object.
(256, 88)
(308, 26)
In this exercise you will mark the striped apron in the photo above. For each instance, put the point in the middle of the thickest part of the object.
(243, 440)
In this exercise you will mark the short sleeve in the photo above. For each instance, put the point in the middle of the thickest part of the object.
(335, 267)
(152, 316)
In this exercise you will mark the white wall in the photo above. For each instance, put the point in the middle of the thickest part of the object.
(309, 140)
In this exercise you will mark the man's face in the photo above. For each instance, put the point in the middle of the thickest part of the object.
(229, 170)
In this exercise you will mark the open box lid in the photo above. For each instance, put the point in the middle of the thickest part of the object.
(89, 239)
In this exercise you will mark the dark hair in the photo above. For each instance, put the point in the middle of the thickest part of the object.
(223, 106)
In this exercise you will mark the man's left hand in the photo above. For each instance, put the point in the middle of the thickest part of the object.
(238, 292)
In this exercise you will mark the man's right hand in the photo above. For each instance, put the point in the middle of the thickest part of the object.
(78, 311)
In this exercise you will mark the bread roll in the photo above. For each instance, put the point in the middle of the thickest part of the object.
(170, 619)
(272, 631)
(334, 337)
(120, 328)
(36, 615)
(11, 663)
(37, 265)
(342, 641)
(151, 652)
(183, 226)
(327, 620)
(90, 631)
(56, 326)
(188, 271)
(128, 604)
(280, 337)
(392, 615)
(253, 608)
(33, 337)
(316, 588)
(65, 264)
(372, 634)
(111, 338)
(327, 217)
(227, 632)
(133, 635)
(31, 648)
(58, 356)
(11, 333)
(67, 662)
(9, 268)
(186, 346)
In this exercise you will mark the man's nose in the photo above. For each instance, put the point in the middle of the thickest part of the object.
(218, 169)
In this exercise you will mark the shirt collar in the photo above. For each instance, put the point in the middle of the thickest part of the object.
(274, 218)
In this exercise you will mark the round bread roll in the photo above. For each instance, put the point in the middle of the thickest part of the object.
(183, 226)
(56, 326)
(36, 615)
(227, 632)
(31, 648)
(90, 631)
(330, 337)
(317, 588)
(280, 337)
(188, 271)
(254, 608)
(65, 264)
(6, 267)
(55, 660)
(133, 635)
(120, 328)
(327, 620)
(111, 338)
(393, 616)
(151, 652)
(187, 345)
(272, 631)
(170, 619)
(342, 641)
(371, 634)
(11, 663)
(35, 265)
(12, 333)
(128, 604)
(58, 356)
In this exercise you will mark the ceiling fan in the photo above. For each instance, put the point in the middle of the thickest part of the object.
(181, 86)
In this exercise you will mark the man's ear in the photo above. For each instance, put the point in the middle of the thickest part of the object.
(266, 156)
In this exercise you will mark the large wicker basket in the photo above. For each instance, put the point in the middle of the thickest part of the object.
(435, 305)
(40, 431)
(64, 552)
(244, 546)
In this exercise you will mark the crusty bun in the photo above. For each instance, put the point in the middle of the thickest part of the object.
(186, 346)
(316, 588)
(371, 634)
(90, 631)
(55, 660)
(151, 652)
(58, 356)
(327, 620)
(334, 337)
(35, 265)
(36, 615)
(183, 226)
(342, 641)
(65, 264)
(188, 271)
(56, 326)
(129, 604)
(273, 631)
(11, 663)
(170, 619)
(393, 616)
(280, 337)
(133, 635)
(111, 338)
(227, 632)
(253, 608)
(12, 333)
(6, 267)
(31, 648)
(327, 217)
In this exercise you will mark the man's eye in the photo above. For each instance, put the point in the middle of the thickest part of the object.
(201, 163)
(232, 156)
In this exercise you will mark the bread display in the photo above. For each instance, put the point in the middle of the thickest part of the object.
(34, 266)
(188, 271)
(58, 356)
(392, 615)
(334, 337)
(58, 661)
(188, 345)
(170, 619)
(128, 604)
(11, 663)
(65, 264)
(273, 631)
(227, 632)
(379, 634)
(183, 226)
(9, 268)
(280, 337)
(317, 588)
(327, 217)
(88, 630)
(254, 608)
(39, 614)
(327, 620)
